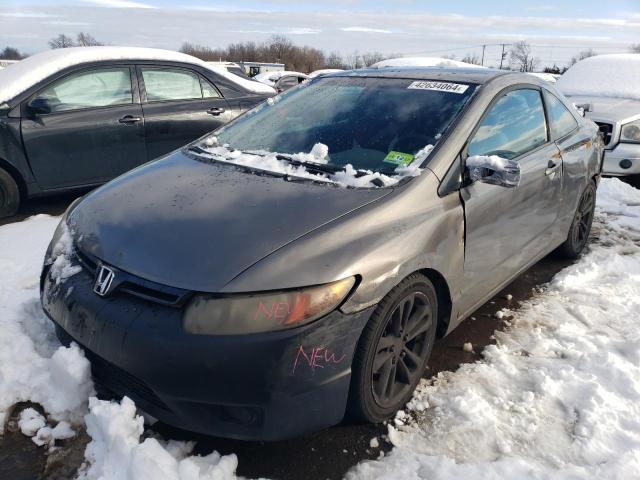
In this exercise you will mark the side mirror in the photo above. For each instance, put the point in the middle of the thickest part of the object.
(583, 108)
(40, 105)
(494, 170)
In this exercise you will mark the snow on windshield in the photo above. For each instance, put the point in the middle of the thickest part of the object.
(615, 75)
(347, 177)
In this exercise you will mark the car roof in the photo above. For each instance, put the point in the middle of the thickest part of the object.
(447, 74)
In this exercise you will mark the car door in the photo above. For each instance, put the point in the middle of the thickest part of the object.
(179, 106)
(507, 229)
(84, 128)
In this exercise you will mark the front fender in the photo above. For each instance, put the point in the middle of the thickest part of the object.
(381, 243)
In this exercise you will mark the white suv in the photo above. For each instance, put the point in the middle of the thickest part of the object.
(608, 87)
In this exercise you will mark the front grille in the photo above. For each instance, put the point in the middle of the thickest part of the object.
(139, 287)
(607, 131)
(121, 382)
(114, 378)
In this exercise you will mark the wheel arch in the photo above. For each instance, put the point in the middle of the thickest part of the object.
(444, 299)
(17, 177)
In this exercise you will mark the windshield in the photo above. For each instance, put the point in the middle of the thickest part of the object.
(374, 124)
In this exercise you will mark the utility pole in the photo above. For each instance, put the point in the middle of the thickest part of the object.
(502, 56)
(482, 62)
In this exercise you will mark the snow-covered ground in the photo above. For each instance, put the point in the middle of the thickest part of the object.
(557, 397)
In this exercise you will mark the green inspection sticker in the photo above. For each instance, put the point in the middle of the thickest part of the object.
(399, 158)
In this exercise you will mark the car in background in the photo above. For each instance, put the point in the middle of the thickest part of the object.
(231, 67)
(423, 62)
(240, 288)
(78, 117)
(324, 71)
(607, 88)
(283, 80)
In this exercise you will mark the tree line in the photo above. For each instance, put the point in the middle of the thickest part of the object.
(280, 49)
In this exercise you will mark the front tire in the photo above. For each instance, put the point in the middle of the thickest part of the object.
(393, 350)
(9, 195)
(581, 225)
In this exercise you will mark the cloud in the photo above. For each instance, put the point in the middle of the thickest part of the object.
(118, 4)
(365, 30)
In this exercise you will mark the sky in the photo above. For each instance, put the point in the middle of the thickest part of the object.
(557, 30)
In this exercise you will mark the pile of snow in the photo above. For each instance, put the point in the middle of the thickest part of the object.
(558, 396)
(60, 261)
(270, 78)
(616, 75)
(20, 76)
(349, 177)
(423, 62)
(116, 453)
(35, 367)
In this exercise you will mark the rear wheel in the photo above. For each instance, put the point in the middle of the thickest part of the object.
(9, 195)
(581, 225)
(393, 350)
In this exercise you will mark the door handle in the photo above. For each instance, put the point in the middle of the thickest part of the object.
(551, 167)
(215, 111)
(129, 119)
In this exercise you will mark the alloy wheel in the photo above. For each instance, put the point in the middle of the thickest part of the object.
(401, 350)
(583, 219)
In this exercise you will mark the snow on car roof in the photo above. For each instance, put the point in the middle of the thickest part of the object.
(422, 62)
(270, 78)
(615, 75)
(324, 71)
(20, 76)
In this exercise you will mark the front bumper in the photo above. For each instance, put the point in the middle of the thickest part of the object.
(269, 386)
(629, 152)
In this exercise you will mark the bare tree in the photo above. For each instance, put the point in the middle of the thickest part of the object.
(86, 40)
(369, 59)
(635, 48)
(10, 53)
(334, 60)
(521, 58)
(472, 58)
(582, 55)
(61, 41)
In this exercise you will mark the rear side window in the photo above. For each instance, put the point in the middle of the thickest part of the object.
(514, 125)
(288, 82)
(208, 90)
(89, 89)
(560, 118)
(164, 84)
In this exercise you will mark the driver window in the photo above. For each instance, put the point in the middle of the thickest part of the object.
(90, 88)
(515, 125)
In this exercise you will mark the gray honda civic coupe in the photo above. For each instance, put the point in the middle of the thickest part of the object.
(296, 266)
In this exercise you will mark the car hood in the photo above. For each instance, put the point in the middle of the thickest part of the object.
(196, 225)
(609, 109)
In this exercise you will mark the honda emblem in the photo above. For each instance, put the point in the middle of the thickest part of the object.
(104, 280)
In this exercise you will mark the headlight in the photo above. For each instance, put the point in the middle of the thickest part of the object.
(631, 132)
(263, 312)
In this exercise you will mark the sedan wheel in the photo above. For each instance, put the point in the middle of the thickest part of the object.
(9, 195)
(393, 350)
(581, 225)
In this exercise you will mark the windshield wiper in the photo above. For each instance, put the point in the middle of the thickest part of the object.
(311, 166)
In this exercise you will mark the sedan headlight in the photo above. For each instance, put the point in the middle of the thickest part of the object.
(263, 312)
(631, 132)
